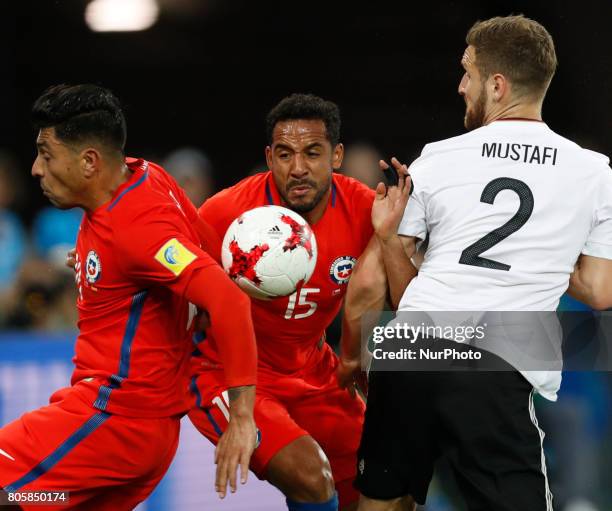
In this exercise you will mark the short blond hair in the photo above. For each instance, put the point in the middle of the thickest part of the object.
(519, 48)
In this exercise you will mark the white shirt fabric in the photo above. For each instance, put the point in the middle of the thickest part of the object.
(569, 191)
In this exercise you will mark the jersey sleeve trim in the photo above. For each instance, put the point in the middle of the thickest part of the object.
(596, 249)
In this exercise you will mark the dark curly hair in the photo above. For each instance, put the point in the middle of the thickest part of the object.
(306, 106)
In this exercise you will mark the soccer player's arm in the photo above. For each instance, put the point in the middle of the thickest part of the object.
(398, 222)
(397, 253)
(366, 292)
(191, 273)
(591, 280)
(157, 250)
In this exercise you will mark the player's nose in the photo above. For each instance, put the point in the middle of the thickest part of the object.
(37, 169)
(299, 167)
(462, 85)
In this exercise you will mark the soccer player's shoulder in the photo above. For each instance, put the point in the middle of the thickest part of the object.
(230, 202)
(437, 156)
(146, 191)
(598, 159)
(597, 163)
(351, 189)
(462, 142)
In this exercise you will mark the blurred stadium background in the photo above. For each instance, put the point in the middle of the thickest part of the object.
(197, 78)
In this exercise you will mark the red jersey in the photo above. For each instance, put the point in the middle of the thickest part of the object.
(135, 257)
(289, 329)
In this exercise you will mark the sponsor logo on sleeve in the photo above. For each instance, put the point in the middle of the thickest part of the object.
(174, 256)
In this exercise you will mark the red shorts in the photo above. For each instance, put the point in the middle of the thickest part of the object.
(286, 408)
(105, 462)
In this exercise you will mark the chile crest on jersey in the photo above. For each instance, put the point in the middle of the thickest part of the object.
(93, 267)
(341, 269)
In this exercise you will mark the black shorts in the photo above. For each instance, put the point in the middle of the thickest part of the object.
(483, 423)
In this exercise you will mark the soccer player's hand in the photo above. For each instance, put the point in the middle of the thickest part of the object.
(71, 258)
(238, 442)
(390, 202)
(350, 376)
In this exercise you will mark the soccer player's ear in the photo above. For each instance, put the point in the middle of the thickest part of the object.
(337, 156)
(269, 156)
(90, 160)
(500, 86)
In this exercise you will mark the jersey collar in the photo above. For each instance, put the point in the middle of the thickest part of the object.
(519, 119)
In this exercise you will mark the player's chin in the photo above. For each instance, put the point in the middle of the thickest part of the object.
(302, 205)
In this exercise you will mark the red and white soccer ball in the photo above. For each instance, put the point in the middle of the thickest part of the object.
(269, 251)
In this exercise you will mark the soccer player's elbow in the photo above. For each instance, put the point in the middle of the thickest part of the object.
(366, 291)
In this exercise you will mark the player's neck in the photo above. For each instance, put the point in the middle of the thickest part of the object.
(106, 187)
(527, 111)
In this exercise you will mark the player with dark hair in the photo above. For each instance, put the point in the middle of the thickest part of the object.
(309, 427)
(110, 437)
(493, 204)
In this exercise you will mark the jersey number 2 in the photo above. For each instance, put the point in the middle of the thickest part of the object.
(471, 255)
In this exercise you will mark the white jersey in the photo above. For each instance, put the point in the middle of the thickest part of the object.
(508, 209)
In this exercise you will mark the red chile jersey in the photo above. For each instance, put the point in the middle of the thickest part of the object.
(135, 257)
(289, 329)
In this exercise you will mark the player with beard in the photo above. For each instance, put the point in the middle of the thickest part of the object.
(309, 426)
(507, 232)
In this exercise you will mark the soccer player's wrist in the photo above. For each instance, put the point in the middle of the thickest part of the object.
(242, 401)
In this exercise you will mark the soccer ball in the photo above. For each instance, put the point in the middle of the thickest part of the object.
(269, 251)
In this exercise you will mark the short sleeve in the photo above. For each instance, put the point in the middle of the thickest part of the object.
(599, 241)
(159, 247)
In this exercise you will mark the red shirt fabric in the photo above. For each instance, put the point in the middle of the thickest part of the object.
(136, 255)
(288, 329)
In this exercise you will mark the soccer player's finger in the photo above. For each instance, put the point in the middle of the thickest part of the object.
(221, 478)
(396, 163)
(217, 452)
(381, 191)
(232, 468)
(408, 186)
(244, 466)
(401, 170)
(71, 258)
(390, 173)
